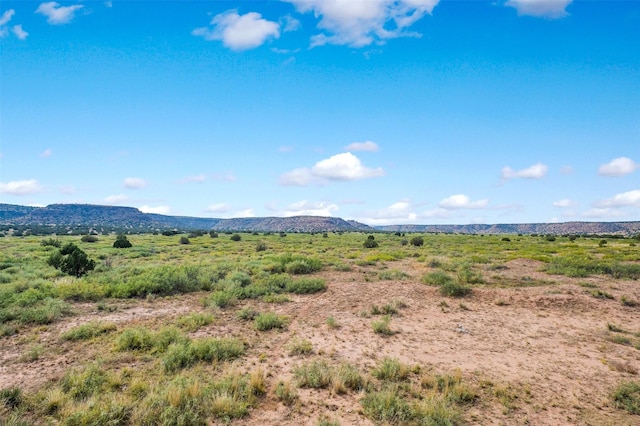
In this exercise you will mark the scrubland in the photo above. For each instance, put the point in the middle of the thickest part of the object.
(317, 329)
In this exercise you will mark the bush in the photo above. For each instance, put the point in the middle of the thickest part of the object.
(51, 242)
(387, 407)
(454, 289)
(122, 242)
(306, 286)
(184, 240)
(261, 246)
(627, 397)
(71, 260)
(391, 369)
(269, 320)
(221, 299)
(381, 326)
(11, 398)
(89, 239)
(235, 237)
(416, 241)
(213, 234)
(87, 331)
(370, 242)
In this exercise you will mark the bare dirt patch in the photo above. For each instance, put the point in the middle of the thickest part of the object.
(549, 344)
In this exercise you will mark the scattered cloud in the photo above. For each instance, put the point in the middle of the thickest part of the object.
(244, 213)
(550, 9)
(362, 146)
(345, 166)
(116, 199)
(603, 213)
(108, 3)
(284, 51)
(218, 208)
(296, 177)
(19, 32)
(6, 16)
(68, 189)
(618, 167)
(225, 177)
(564, 203)
(239, 32)
(359, 23)
(193, 179)
(286, 148)
(566, 170)
(461, 201)
(56, 14)
(625, 199)
(46, 153)
(134, 183)
(307, 208)
(20, 187)
(289, 23)
(340, 167)
(156, 210)
(537, 171)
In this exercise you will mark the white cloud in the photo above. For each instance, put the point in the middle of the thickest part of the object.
(19, 32)
(345, 166)
(116, 199)
(290, 23)
(285, 148)
(400, 212)
(566, 170)
(362, 146)
(244, 213)
(218, 208)
(156, 210)
(225, 177)
(340, 167)
(564, 203)
(551, 9)
(537, 171)
(68, 189)
(618, 167)
(46, 153)
(296, 177)
(56, 14)
(307, 208)
(6, 16)
(359, 23)
(20, 187)
(134, 183)
(239, 32)
(603, 213)
(630, 198)
(461, 201)
(193, 179)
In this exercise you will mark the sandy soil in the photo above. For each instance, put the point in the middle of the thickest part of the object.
(549, 342)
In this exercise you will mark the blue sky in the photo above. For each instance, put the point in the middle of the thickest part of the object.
(386, 112)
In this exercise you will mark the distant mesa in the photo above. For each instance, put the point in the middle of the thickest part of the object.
(113, 217)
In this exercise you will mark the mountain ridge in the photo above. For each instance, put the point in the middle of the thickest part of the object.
(96, 216)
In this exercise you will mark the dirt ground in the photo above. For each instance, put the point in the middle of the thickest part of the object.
(548, 343)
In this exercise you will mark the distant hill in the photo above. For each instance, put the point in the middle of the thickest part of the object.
(108, 218)
(578, 228)
(113, 217)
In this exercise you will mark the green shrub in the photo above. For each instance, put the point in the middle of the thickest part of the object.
(122, 242)
(135, 339)
(88, 331)
(454, 289)
(247, 314)
(437, 278)
(51, 242)
(416, 241)
(316, 375)
(300, 347)
(186, 354)
(221, 299)
(261, 246)
(45, 312)
(387, 406)
(184, 240)
(195, 321)
(270, 320)
(390, 369)
(381, 326)
(286, 393)
(71, 260)
(627, 396)
(306, 286)
(83, 383)
(235, 237)
(11, 398)
(370, 242)
(89, 239)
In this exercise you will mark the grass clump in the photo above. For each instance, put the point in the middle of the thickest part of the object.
(381, 326)
(454, 289)
(247, 314)
(306, 286)
(88, 331)
(300, 347)
(387, 406)
(186, 354)
(220, 299)
(390, 369)
(286, 393)
(332, 322)
(11, 398)
(195, 321)
(270, 320)
(627, 396)
(316, 375)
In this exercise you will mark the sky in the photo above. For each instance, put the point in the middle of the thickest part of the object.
(380, 111)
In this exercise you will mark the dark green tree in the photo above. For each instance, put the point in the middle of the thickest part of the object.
(71, 260)
(417, 241)
(370, 242)
(122, 242)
